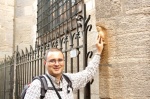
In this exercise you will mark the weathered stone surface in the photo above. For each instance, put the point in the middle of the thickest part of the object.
(6, 27)
(17, 23)
(128, 49)
(108, 8)
(25, 23)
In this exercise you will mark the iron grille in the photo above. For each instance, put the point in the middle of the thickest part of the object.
(56, 16)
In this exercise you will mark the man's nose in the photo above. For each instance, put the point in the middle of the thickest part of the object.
(57, 63)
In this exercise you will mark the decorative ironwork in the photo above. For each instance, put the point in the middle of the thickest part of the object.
(56, 17)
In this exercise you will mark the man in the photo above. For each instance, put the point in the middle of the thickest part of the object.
(54, 62)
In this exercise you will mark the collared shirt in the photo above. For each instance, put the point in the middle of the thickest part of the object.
(55, 80)
(79, 80)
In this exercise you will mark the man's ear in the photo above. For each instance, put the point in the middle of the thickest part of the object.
(44, 62)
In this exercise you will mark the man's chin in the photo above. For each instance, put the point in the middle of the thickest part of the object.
(57, 73)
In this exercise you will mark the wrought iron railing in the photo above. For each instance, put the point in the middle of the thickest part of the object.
(7, 78)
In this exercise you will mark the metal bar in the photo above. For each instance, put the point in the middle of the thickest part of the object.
(4, 76)
(87, 93)
(23, 74)
(71, 47)
(78, 92)
(19, 76)
(65, 56)
(38, 62)
(30, 66)
(16, 79)
(11, 78)
(25, 66)
(35, 70)
(17, 73)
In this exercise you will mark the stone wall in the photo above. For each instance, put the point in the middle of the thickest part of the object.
(25, 23)
(125, 73)
(6, 27)
(17, 25)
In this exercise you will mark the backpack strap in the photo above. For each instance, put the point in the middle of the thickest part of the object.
(54, 87)
(44, 86)
(69, 83)
(51, 88)
(24, 91)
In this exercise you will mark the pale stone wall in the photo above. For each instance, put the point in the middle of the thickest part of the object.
(91, 39)
(6, 27)
(17, 25)
(25, 23)
(126, 73)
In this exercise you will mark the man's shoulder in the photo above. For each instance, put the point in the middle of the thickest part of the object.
(35, 82)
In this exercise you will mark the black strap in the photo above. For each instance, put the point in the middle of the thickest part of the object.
(51, 88)
(54, 87)
(69, 83)
(44, 86)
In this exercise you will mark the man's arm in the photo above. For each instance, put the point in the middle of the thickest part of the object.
(33, 92)
(80, 79)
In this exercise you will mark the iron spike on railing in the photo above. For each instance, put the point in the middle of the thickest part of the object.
(8, 58)
(56, 40)
(31, 52)
(26, 50)
(89, 54)
(89, 27)
(87, 20)
(86, 26)
(79, 21)
(50, 41)
(31, 49)
(36, 44)
(22, 52)
(18, 54)
(53, 44)
(71, 38)
(66, 38)
(27, 53)
(59, 42)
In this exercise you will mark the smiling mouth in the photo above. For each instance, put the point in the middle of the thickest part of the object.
(56, 69)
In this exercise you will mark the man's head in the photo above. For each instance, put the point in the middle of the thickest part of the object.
(54, 62)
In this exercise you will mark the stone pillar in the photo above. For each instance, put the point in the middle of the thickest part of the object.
(127, 75)
(25, 23)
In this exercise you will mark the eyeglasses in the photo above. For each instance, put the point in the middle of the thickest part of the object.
(53, 61)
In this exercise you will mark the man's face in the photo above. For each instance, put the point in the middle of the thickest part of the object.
(55, 63)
